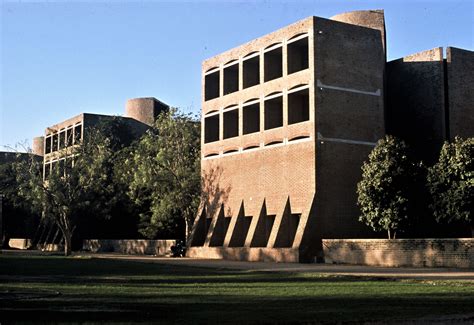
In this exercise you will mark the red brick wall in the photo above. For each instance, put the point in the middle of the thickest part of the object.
(129, 246)
(401, 252)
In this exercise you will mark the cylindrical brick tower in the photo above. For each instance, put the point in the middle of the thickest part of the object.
(366, 18)
(145, 109)
(38, 146)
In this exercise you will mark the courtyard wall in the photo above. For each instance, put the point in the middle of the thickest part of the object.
(442, 252)
(129, 246)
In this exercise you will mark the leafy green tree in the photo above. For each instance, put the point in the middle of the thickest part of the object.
(18, 219)
(80, 184)
(163, 172)
(451, 182)
(386, 190)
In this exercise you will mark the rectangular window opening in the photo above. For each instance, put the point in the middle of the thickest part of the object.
(55, 142)
(231, 123)
(211, 85)
(211, 128)
(293, 227)
(251, 72)
(241, 230)
(62, 139)
(231, 79)
(77, 134)
(200, 231)
(298, 55)
(287, 232)
(208, 224)
(47, 148)
(69, 164)
(69, 137)
(273, 64)
(274, 113)
(251, 118)
(269, 221)
(263, 231)
(47, 170)
(61, 166)
(298, 106)
(220, 230)
(54, 166)
(226, 225)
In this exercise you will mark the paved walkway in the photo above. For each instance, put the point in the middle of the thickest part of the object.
(333, 269)
(354, 270)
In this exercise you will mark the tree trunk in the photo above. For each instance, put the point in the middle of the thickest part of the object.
(187, 230)
(388, 230)
(67, 243)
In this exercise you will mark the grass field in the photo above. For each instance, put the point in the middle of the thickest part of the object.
(53, 288)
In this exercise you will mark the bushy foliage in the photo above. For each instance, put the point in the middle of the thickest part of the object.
(18, 218)
(451, 182)
(80, 186)
(163, 173)
(386, 190)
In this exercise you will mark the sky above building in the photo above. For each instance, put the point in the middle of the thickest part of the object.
(59, 59)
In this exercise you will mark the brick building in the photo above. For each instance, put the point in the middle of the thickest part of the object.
(430, 98)
(288, 119)
(140, 114)
(56, 147)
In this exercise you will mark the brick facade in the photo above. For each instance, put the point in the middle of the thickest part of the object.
(289, 118)
(59, 139)
(429, 99)
(281, 122)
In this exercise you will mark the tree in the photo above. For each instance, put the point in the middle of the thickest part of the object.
(18, 219)
(163, 172)
(387, 189)
(80, 184)
(451, 182)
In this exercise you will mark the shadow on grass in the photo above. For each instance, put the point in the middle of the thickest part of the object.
(71, 270)
(58, 265)
(96, 290)
(235, 309)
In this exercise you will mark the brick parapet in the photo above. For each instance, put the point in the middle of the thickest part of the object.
(278, 36)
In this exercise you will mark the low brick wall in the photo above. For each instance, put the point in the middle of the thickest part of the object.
(449, 252)
(51, 248)
(252, 254)
(19, 243)
(129, 246)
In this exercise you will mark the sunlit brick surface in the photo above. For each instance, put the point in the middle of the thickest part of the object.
(261, 190)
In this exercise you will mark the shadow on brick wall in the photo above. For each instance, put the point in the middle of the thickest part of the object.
(212, 198)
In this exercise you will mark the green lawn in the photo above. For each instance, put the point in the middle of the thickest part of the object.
(53, 288)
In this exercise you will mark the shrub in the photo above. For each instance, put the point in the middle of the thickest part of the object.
(387, 188)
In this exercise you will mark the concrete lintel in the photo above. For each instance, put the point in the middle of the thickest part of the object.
(357, 91)
(365, 143)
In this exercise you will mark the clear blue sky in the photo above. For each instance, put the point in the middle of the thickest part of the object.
(59, 59)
